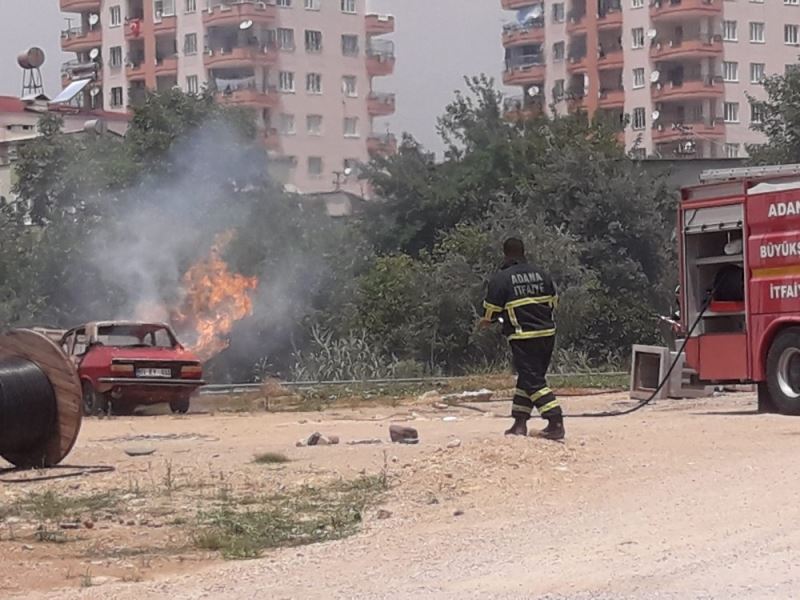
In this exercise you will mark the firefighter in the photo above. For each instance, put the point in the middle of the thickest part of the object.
(523, 298)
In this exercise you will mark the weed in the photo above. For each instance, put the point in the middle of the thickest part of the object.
(45, 534)
(52, 506)
(307, 515)
(169, 478)
(86, 579)
(271, 458)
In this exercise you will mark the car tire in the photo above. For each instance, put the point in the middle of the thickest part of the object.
(180, 406)
(94, 403)
(783, 371)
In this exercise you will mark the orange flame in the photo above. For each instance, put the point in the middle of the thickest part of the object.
(214, 300)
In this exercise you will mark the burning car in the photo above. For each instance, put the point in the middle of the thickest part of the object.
(123, 364)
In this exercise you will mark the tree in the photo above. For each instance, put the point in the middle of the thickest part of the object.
(779, 122)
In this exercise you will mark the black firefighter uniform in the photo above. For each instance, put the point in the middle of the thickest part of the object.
(526, 298)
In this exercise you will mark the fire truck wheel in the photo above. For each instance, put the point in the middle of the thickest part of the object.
(94, 403)
(180, 406)
(783, 371)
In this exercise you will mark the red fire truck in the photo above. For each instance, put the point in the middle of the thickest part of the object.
(739, 239)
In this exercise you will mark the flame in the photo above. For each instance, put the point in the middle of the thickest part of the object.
(214, 299)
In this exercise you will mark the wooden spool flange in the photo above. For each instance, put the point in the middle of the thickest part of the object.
(63, 377)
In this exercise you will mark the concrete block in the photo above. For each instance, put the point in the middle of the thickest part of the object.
(649, 365)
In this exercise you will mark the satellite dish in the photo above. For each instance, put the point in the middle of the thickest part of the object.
(94, 53)
(536, 11)
(32, 58)
(245, 25)
(96, 126)
(348, 171)
(95, 91)
(586, 80)
(655, 115)
(533, 91)
(651, 34)
(94, 19)
(655, 76)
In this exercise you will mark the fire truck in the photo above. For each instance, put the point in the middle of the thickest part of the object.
(739, 245)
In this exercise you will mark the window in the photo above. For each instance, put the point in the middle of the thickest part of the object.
(637, 3)
(731, 150)
(314, 124)
(558, 89)
(791, 35)
(115, 61)
(190, 44)
(192, 84)
(731, 112)
(756, 113)
(350, 45)
(638, 37)
(349, 6)
(284, 3)
(351, 127)
(285, 38)
(313, 41)
(757, 33)
(314, 83)
(286, 124)
(638, 78)
(792, 2)
(350, 86)
(312, 4)
(729, 31)
(638, 121)
(116, 97)
(559, 14)
(757, 72)
(315, 166)
(730, 71)
(558, 51)
(116, 16)
(191, 6)
(286, 81)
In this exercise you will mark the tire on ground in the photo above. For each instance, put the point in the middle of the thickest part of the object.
(783, 371)
(94, 403)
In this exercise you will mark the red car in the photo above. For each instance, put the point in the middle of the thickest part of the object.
(124, 364)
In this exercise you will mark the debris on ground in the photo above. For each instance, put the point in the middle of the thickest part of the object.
(140, 451)
(366, 442)
(454, 443)
(403, 435)
(317, 439)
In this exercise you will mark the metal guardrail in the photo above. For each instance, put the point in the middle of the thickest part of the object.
(243, 388)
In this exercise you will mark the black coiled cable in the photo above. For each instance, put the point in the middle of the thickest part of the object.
(28, 409)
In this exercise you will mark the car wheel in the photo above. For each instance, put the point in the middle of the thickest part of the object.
(94, 403)
(783, 371)
(180, 406)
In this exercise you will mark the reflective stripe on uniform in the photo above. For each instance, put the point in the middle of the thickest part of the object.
(548, 407)
(526, 301)
(512, 316)
(527, 335)
(522, 394)
(491, 310)
(521, 409)
(541, 393)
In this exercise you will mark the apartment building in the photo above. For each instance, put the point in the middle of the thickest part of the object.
(305, 67)
(675, 73)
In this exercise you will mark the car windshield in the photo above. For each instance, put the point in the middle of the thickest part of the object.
(127, 336)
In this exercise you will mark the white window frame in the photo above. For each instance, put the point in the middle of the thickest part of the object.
(312, 4)
(113, 101)
(187, 51)
(314, 83)
(287, 124)
(730, 31)
(284, 37)
(350, 7)
(757, 32)
(348, 90)
(193, 84)
(639, 83)
(731, 112)
(284, 3)
(318, 120)
(791, 34)
(307, 35)
(638, 119)
(731, 150)
(637, 3)
(730, 71)
(756, 113)
(637, 33)
(350, 132)
(286, 82)
(761, 68)
(191, 6)
(115, 64)
(115, 11)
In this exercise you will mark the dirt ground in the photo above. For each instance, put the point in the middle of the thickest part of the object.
(685, 499)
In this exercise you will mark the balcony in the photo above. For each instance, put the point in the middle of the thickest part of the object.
(221, 58)
(613, 59)
(517, 35)
(78, 39)
(665, 10)
(525, 70)
(166, 24)
(517, 4)
(380, 24)
(380, 105)
(611, 98)
(249, 97)
(576, 22)
(234, 14)
(80, 6)
(167, 66)
(78, 69)
(610, 19)
(664, 133)
(688, 89)
(380, 58)
(382, 144)
(677, 49)
(576, 63)
(523, 107)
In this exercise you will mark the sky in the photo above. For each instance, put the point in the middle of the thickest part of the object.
(438, 42)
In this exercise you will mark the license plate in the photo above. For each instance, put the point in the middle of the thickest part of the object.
(154, 373)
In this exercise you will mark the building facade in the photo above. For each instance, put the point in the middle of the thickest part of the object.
(676, 74)
(305, 67)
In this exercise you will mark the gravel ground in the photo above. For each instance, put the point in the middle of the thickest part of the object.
(684, 500)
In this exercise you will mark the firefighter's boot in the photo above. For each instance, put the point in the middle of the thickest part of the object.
(554, 429)
(520, 426)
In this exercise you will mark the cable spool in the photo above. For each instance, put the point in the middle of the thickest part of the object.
(40, 400)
